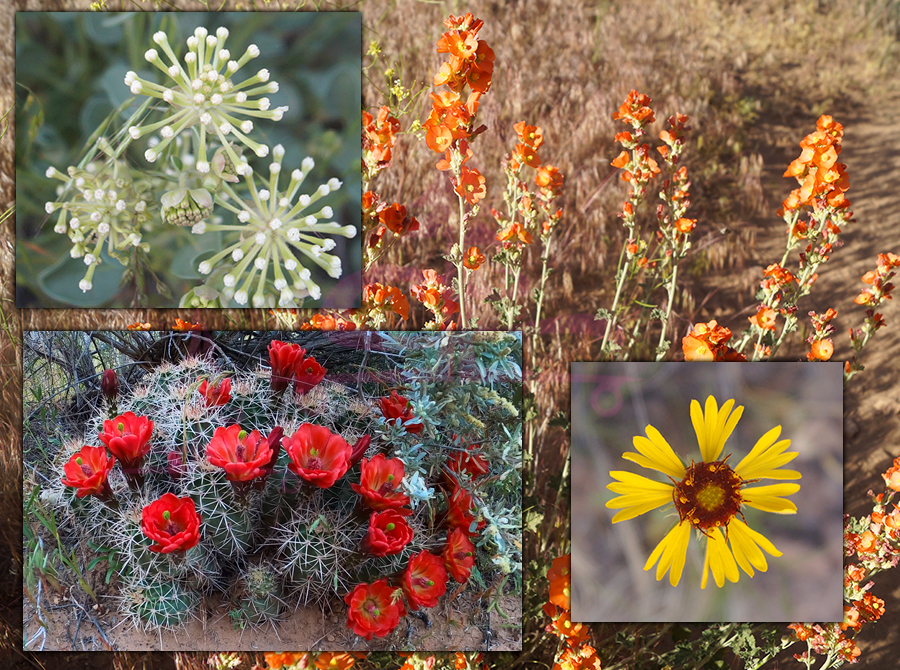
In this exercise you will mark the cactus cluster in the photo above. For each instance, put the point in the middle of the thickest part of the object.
(278, 541)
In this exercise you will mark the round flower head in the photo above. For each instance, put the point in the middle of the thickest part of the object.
(388, 533)
(200, 92)
(708, 496)
(277, 237)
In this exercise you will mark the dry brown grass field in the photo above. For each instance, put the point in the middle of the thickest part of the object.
(753, 77)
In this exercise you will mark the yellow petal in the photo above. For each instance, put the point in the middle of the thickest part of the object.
(638, 495)
(769, 498)
(766, 457)
(746, 543)
(714, 426)
(657, 452)
(719, 560)
(671, 552)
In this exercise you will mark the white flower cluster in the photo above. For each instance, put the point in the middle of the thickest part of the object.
(101, 208)
(278, 231)
(204, 94)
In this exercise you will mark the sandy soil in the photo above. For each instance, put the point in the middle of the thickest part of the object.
(460, 624)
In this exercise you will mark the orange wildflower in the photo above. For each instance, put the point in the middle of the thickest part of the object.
(866, 542)
(527, 155)
(378, 134)
(394, 218)
(765, 318)
(533, 136)
(328, 322)
(473, 258)
(471, 185)
(685, 226)
(820, 350)
(139, 326)
(561, 581)
(516, 230)
(281, 659)
(328, 660)
(186, 325)
(379, 297)
(621, 160)
(707, 342)
(549, 179)
(635, 110)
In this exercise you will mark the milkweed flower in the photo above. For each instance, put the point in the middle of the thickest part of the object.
(100, 207)
(279, 234)
(201, 93)
(708, 495)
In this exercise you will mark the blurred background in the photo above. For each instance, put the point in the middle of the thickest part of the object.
(70, 69)
(613, 402)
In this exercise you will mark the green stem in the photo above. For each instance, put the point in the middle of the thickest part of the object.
(545, 272)
(665, 321)
(460, 270)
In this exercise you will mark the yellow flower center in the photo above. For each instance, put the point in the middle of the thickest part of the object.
(709, 496)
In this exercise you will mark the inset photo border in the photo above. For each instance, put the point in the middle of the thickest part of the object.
(213, 491)
(707, 492)
(190, 159)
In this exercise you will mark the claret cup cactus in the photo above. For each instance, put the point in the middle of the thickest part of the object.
(231, 482)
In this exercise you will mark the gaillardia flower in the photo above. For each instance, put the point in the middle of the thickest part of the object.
(708, 495)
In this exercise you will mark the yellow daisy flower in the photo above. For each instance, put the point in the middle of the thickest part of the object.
(708, 495)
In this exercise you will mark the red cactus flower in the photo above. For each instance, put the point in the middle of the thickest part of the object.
(171, 522)
(388, 533)
(128, 438)
(424, 581)
(307, 374)
(318, 455)
(242, 455)
(379, 483)
(374, 609)
(216, 394)
(459, 555)
(109, 385)
(398, 409)
(284, 357)
(459, 511)
(87, 472)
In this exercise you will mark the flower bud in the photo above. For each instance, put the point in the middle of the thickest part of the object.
(186, 207)
(109, 385)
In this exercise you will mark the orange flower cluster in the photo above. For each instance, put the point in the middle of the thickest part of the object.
(708, 342)
(328, 321)
(381, 300)
(879, 279)
(549, 180)
(821, 346)
(635, 110)
(380, 217)
(471, 59)
(823, 181)
(378, 137)
(824, 640)
(640, 170)
(139, 326)
(574, 653)
(436, 296)
(298, 659)
(892, 476)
